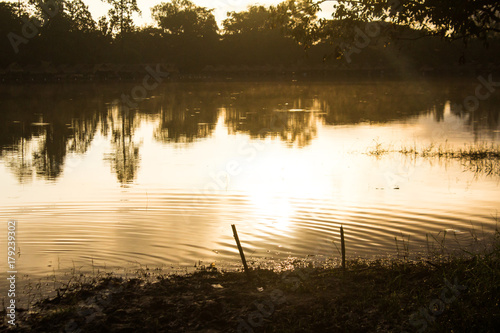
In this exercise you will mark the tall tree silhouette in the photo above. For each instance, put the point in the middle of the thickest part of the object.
(187, 29)
(255, 18)
(120, 15)
(9, 22)
(124, 157)
(121, 23)
(298, 19)
(182, 17)
(251, 38)
(78, 13)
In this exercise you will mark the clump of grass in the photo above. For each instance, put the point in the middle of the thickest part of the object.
(471, 152)
(378, 150)
(481, 158)
(478, 272)
(428, 151)
(404, 250)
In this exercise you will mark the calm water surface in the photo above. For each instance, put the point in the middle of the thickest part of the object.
(90, 180)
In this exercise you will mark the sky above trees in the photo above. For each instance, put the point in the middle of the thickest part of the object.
(98, 8)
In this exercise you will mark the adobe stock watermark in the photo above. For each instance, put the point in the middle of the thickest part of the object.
(11, 272)
(30, 28)
(150, 82)
(397, 173)
(424, 316)
(484, 90)
(247, 149)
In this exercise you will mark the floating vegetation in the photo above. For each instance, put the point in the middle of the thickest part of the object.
(480, 158)
(472, 152)
(378, 150)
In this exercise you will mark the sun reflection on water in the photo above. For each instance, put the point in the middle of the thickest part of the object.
(152, 185)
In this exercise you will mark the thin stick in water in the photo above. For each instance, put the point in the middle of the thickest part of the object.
(242, 255)
(342, 246)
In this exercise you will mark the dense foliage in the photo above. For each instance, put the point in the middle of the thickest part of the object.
(460, 19)
(288, 34)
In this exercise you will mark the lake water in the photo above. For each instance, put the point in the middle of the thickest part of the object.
(91, 182)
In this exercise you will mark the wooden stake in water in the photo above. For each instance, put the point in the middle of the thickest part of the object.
(342, 246)
(242, 255)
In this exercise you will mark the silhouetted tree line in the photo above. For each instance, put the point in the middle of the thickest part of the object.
(40, 36)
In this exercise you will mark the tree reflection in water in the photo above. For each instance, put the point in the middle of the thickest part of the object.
(124, 155)
(40, 126)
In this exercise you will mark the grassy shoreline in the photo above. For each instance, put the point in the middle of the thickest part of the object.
(459, 293)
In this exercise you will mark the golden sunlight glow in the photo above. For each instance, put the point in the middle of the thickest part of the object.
(98, 8)
(271, 211)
